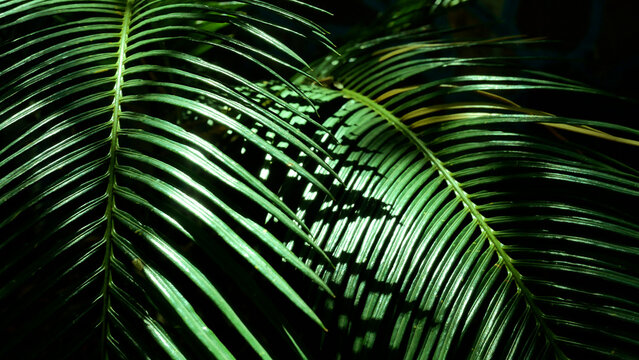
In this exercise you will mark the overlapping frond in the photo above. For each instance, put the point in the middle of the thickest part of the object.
(118, 222)
(469, 227)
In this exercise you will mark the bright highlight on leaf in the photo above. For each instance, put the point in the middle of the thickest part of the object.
(466, 230)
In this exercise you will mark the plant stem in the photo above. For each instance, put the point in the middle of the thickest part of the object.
(472, 208)
(108, 214)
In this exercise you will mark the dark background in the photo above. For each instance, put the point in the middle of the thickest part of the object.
(595, 41)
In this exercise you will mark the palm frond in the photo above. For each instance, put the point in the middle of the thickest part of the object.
(468, 229)
(111, 209)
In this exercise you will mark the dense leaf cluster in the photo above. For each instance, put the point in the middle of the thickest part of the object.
(399, 200)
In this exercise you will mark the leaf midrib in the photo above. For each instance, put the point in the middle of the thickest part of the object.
(469, 204)
(115, 127)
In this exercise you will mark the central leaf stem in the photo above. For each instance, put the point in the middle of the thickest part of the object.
(472, 208)
(108, 214)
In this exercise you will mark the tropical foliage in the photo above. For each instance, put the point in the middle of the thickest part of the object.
(407, 198)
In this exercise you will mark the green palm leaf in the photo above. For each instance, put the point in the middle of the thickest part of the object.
(111, 210)
(466, 229)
